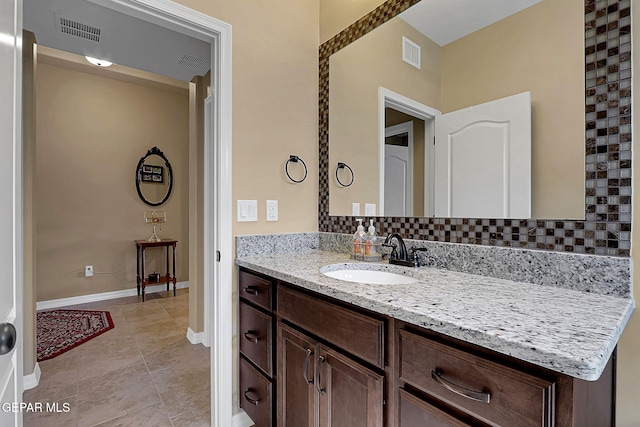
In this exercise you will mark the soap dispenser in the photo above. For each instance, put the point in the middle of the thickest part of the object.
(358, 239)
(370, 246)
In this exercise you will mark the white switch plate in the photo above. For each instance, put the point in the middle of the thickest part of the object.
(370, 209)
(272, 210)
(247, 210)
(355, 209)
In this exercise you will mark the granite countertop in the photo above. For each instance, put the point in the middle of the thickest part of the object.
(564, 330)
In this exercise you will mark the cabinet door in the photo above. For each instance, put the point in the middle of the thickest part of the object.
(350, 394)
(415, 412)
(297, 402)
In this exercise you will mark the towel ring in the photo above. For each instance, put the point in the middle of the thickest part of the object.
(342, 166)
(295, 159)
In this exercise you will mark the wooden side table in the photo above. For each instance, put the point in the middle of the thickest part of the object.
(142, 280)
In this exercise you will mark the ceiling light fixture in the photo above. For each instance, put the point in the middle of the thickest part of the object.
(99, 62)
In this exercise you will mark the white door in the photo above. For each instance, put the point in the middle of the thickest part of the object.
(10, 211)
(483, 160)
(398, 171)
(396, 164)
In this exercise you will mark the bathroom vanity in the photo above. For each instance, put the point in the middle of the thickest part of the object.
(451, 349)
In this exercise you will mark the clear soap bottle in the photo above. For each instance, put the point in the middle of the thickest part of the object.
(358, 239)
(370, 246)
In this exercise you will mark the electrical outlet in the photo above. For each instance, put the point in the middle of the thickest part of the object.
(88, 270)
(272, 210)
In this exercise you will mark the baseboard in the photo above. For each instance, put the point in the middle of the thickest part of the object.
(32, 380)
(195, 337)
(241, 419)
(83, 299)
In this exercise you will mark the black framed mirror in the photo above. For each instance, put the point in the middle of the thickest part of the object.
(154, 178)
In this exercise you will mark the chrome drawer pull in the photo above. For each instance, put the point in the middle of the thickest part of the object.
(464, 392)
(320, 362)
(251, 290)
(305, 369)
(250, 400)
(251, 336)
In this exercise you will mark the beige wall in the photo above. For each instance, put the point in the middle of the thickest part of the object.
(543, 54)
(357, 72)
(628, 413)
(92, 131)
(275, 110)
(336, 15)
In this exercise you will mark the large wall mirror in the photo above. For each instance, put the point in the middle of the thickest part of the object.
(580, 140)
(154, 178)
(469, 53)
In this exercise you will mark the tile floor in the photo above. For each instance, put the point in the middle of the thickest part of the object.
(143, 372)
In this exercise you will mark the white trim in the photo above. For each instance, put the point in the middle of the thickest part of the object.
(388, 98)
(103, 296)
(241, 419)
(196, 337)
(32, 380)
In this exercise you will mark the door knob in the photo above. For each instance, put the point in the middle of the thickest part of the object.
(7, 338)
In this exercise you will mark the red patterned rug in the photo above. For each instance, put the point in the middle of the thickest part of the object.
(61, 330)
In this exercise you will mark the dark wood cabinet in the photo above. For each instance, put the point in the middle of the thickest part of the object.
(443, 381)
(351, 395)
(318, 386)
(308, 360)
(297, 398)
(256, 341)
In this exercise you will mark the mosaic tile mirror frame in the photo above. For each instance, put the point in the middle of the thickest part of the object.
(606, 229)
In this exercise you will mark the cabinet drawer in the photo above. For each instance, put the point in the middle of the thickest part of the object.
(360, 335)
(255, 289)
(256, 337)
(255, 395)
(415, 412)
(451, 375)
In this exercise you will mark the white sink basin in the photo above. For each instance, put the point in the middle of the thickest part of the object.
(372, 277)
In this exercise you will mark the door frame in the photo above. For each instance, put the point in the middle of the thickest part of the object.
(390, 99)
(12, 229)
(217, 186)
(399, 129)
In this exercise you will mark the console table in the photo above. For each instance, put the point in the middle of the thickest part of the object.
(142, 280)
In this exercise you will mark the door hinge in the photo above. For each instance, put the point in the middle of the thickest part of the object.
(434, 140)
(218, 256)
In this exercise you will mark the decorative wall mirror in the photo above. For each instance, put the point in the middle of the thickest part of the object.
(154, 178)
(600, 219)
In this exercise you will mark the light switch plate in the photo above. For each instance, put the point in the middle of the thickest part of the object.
(355, 209)
(370, 209)
(272, 210)
(247, 210)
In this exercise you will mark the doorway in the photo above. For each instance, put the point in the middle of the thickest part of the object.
(217, 183)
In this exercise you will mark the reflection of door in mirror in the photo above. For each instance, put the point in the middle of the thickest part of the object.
(483, 160)
(398, 170)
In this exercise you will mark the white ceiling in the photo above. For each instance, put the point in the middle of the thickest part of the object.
(445, 21)
(124, 40)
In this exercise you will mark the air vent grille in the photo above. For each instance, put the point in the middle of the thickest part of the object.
(411, 53)
(78, 29)
(195, 63)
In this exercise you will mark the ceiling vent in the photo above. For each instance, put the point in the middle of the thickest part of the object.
(195, 63)
(79, 29)
(410, 52)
